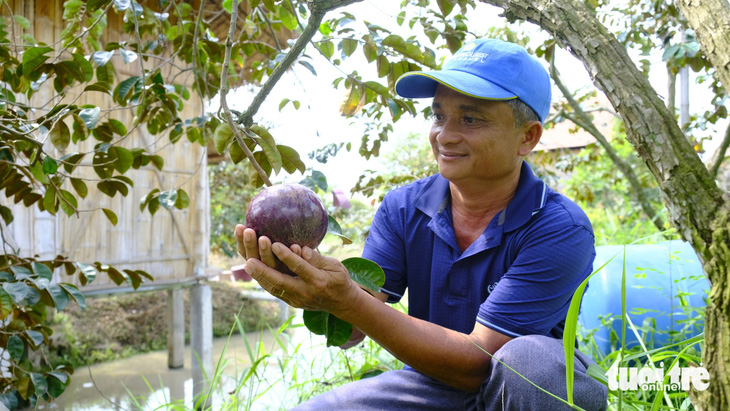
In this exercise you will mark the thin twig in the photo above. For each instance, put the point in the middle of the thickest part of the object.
(224, 104)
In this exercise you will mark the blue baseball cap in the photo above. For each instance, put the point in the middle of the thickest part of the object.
(489, 69)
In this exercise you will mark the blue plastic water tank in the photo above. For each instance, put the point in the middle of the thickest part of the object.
(661, 281)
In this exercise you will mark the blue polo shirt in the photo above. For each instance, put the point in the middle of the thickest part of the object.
(517, 278)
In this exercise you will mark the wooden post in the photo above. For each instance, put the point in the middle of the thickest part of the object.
(201, 342)
(175, 328)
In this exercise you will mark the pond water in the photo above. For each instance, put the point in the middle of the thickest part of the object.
(145, 382)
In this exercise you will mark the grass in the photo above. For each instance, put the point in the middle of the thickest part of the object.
(304, 368)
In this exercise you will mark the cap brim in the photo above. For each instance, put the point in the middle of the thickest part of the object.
(418, 84)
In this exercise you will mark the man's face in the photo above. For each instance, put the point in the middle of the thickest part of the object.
(474, 140)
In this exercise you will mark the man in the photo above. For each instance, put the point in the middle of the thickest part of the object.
(489, 254)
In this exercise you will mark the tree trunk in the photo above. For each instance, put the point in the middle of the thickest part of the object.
(710, 19)
(695, 203)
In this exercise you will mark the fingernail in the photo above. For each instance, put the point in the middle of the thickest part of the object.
(307, 252)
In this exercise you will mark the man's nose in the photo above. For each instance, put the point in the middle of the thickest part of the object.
(447, 133)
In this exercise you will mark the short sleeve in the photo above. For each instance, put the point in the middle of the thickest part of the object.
(385, 246)
(534, 294)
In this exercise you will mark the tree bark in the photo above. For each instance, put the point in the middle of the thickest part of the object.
(695, 203)
(710, 19)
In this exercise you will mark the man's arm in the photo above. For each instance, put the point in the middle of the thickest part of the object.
(322, 283)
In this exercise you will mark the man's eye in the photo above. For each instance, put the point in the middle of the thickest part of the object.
(437, 117)
(470, 120)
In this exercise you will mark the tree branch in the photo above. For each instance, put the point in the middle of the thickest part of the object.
(583, 120)
(224, 104)
(318, 9)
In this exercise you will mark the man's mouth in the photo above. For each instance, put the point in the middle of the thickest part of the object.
(451, 155)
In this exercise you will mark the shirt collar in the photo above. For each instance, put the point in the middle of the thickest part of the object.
(529, 199)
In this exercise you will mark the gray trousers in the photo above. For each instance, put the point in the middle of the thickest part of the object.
(541, 359)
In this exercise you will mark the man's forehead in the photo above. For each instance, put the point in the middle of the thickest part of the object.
(446, 96)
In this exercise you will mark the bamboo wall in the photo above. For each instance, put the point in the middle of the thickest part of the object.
(171, 245)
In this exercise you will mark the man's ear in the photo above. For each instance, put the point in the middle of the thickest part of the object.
(532, 131)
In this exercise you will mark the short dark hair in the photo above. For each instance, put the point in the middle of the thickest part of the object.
(521, 112)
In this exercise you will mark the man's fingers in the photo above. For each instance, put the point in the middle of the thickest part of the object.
(250, 244)
(238, 233)
(265, 253)
(291, 259)
(270, 279)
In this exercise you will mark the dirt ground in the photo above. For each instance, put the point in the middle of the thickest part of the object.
(120, 326)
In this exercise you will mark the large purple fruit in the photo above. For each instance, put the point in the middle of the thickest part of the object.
(288, 214)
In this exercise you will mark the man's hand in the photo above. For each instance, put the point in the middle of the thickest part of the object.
(322, 283)
(251, 247)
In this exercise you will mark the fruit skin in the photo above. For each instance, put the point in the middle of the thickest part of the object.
(288, 214)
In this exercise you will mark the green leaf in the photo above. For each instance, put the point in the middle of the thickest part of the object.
(6, 214)
(315, 321)
(74, 292)
(37, 171)
(446, 6)
(228, 6)
(333, 227)
(90, 117)
(22, 293)
(157, 161)
(21, 273)
(290, 159)
(182, 201)
(49, 200)
(22, 21)
(42, 270)
(124, 158)
(100, 86)
(168, 198)
(39, 383)
(9, 400)
(222, 137)
(236, 153)
(55, 386)
(70, 205)
(115, 276)
(287, 18)
(334, 329)
(102, 57)
(81, 189)
(59, 296)
(118, 127)
(93, 5)
(15, 347)
(60, 135)
(50, 166)
(110, 215)
(268, 144)
(84, 66)
(327, 48)
(6, 304)
(124, 89)
(35, 337)
(348, 46)
(365, 272)
(33, 58)
(88, 271)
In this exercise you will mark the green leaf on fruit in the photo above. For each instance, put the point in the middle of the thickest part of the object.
(333, 227)
(336, 331)
(365, 272)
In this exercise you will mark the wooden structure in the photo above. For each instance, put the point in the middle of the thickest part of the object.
(171, 245)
